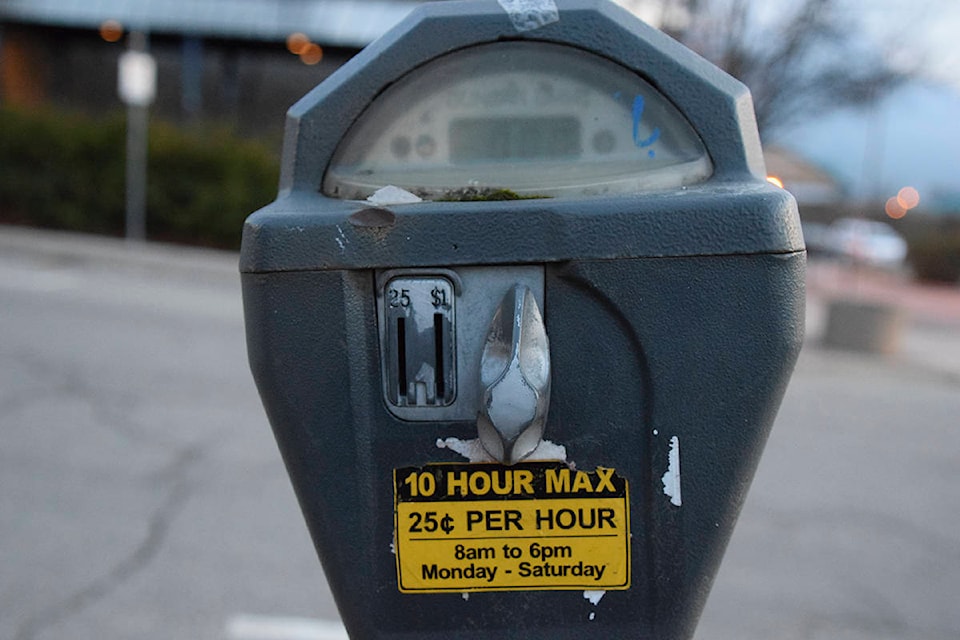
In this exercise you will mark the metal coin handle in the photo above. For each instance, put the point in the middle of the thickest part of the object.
(514, 379)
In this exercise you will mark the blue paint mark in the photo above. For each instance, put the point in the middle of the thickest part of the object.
(649, 141)
(638, 105)
(651, 153)
(637, 115)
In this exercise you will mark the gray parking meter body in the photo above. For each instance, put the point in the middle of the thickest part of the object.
(534, 417)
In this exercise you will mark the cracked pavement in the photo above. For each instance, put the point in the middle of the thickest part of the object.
(141, 492)
(142, 495)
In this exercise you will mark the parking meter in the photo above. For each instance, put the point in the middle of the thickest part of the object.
(521, 318)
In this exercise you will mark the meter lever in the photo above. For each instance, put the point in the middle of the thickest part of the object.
(514, 378)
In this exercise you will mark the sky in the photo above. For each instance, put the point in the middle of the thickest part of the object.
(918, 31)
(912, 137)
(912, 31)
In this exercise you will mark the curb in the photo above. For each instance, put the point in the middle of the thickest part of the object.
(116, 253)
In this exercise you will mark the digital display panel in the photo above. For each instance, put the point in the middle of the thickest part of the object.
(531, 138)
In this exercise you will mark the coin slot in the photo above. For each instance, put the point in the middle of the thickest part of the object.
(420, 362)
(402, 356)
(438, 353)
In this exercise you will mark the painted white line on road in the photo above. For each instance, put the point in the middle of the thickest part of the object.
(255, 627)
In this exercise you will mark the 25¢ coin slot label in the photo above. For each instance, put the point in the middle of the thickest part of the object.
(489, 527)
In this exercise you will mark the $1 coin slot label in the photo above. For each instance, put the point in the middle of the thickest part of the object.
(538, 525)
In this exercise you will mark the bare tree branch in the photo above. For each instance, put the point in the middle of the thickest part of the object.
(798, 65)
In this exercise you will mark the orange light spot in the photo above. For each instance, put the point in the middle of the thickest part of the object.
(311, 54)
(774, 180)
(297, 43)
(895, 209)
(111, 30)
(908, 198)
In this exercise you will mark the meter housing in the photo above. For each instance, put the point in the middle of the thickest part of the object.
(606, 187)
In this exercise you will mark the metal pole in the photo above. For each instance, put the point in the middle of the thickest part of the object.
(136, 170)
(136, 219)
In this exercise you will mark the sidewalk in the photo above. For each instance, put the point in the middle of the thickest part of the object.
(931, 313)
(107, 252)
(931, 335)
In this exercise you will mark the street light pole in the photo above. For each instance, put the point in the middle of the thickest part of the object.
(137, 85)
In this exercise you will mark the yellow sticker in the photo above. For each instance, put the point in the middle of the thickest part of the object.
(488, 527)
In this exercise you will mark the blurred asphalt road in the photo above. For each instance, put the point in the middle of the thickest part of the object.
(142, 496)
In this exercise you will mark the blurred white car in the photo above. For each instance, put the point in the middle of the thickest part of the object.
(866, 242)
(816, 237)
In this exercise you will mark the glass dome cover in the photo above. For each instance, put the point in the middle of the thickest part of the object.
(526, 119)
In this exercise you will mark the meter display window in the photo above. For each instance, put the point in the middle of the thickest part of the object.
(522, 118)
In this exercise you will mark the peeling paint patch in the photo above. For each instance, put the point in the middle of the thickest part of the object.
(548, 450)
(341, 239)
(527, 15)
(473, 451)
(593, 596)
(671, 479)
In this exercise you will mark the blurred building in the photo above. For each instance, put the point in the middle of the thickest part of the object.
(236, 62)
(242, 62)
(820, 197)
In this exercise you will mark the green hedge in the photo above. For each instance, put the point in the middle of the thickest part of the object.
(66, 171)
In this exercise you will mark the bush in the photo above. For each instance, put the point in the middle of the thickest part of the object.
(67, 171)
(61, 171)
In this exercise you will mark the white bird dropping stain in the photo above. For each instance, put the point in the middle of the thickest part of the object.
(671, 479)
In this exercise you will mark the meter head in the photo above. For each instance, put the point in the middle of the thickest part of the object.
(533, 119)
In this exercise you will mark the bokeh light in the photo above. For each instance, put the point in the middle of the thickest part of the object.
(311, 54)
(111, 30)
(774, 180)
(297, 43)
(894, 209)
(908, 198)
